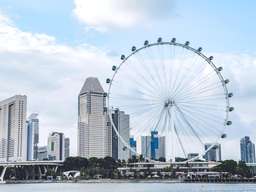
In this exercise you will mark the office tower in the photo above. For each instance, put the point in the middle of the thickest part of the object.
(153, 146)
(133, 145)
(247, 149)
(214, 154)
(121, 122)
(56, 146)
(146, 146)
(67, 147)
(13, 133)
(94, 129)
(157, 146)
(161, 147)
(42, 154)
(32, 137)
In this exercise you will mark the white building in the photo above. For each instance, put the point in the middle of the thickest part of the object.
(13, 135)
(94, 131)
(122, 124)
(32, 137)
(56, 146)
(146, 146)
(42, 153)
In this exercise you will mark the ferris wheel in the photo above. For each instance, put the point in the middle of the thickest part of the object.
(174, 90)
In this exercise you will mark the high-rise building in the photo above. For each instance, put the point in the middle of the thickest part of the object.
(153, 146)
(121, 122)
(56, 146)
(94, 129)
(13, 133)
(146, 146)
(161, 147)
(42, 154)
(247, 149)
(214, 154)
(32, 137)
(133, 145)
(67, 147)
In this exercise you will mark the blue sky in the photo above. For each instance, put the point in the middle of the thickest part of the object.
(64, 39)
(217, 25)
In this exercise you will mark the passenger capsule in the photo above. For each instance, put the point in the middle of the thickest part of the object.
(122, 57)
(220, 68)
(173, 40)
(230, 94)
(113, 68)
(226, 81)
(231, 109)
(107, 80)
(211, 57)
(124, 148)
(199, 49)
(146, 43)
(133, 48)
(159, 40)
(223, 135)
(186, 43)
(229, 123)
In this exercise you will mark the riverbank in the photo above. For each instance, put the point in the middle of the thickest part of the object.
(102, 181)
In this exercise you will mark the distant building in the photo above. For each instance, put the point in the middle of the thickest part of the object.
(67, 147)
(42, 154)
(13, 134)
(122, 124)
(192, 155)
(56, 146)
(247, 149)
(32, 137)
(133, 145)
(94, 131)
(146, 146)
(161, 148)
(153, 147)
(214, 154)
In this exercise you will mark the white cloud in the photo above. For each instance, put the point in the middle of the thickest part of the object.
(50, 74)
(107, 14)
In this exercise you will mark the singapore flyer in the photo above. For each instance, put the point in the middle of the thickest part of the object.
(175, 90)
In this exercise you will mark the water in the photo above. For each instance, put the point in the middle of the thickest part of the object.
(126, 187)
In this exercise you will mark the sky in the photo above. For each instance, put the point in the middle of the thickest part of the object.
(48, 48)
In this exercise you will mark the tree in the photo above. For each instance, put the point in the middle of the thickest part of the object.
(162, 159)
(229, 166)
(243, 169)
(75, 163)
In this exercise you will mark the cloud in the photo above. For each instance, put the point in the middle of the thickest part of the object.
(109, 14)
(50, 74)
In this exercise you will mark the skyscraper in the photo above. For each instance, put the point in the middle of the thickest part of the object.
(146, 146)
(32, 137)
(214, 154)
(247, 149)
(94, 131)
(121, 121)
(67, 147)
(133, 145)
(13, 134)
(56, 146)
(153, 146)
